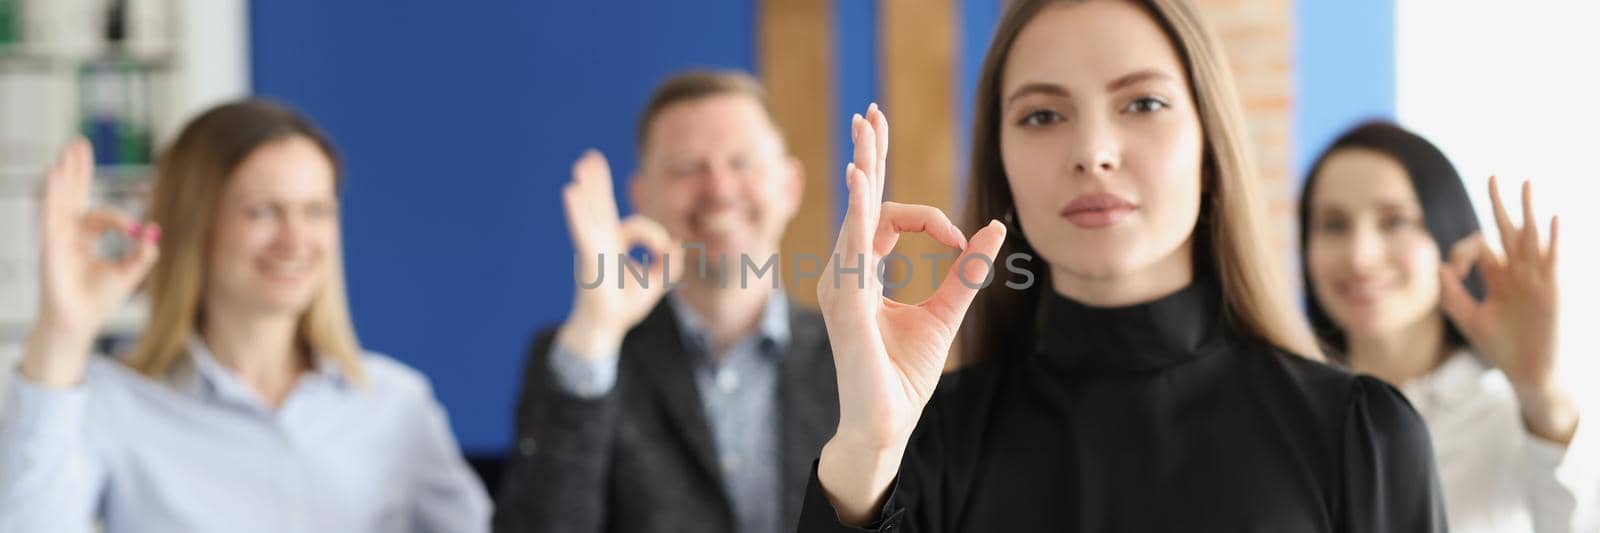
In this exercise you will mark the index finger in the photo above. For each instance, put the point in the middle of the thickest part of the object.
(899, 218)
(1464, 252)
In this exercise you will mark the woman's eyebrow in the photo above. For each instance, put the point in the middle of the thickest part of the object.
(1051, 89)
(1136, 77)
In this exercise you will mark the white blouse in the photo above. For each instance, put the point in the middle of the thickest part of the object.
(1496, 476)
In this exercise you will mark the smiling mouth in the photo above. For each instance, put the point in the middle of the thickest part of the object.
(719, 224)
(1362, 292)
(286, 270)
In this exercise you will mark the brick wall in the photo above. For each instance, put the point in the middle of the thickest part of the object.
(1259, 38)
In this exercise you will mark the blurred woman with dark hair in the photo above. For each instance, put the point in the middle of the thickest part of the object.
(1470, 340)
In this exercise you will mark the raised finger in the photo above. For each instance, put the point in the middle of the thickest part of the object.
(866, 158)
(880, 132)
(594, 174)
(1508, 232)
(855, 233)
(578, 218)
(1530, 226)
(1555, 237)
(67, 182)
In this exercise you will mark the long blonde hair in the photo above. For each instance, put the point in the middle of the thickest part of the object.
(1230, 237)
(190, 178)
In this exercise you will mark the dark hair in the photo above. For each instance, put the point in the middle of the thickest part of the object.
(1446, 210)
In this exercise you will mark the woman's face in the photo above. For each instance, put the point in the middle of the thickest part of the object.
(1373, 265)
(276, 228)
(1102, 146)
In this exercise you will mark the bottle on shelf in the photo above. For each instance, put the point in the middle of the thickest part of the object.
(8, 23)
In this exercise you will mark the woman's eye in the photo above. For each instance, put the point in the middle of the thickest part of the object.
(1040, 118)
(1331, 226)
(1396, 222)
(1148, 104)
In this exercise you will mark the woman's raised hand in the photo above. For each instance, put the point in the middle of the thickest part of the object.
(79, 288)
(888, 354)
(1514, 327)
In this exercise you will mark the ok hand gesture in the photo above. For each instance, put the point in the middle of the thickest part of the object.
(889, 354)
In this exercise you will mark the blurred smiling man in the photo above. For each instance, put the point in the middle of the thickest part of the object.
(694, 408)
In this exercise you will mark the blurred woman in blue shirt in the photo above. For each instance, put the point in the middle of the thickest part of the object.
(247, 403)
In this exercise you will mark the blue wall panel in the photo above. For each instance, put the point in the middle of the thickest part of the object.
(459, 122)
(1344, 71)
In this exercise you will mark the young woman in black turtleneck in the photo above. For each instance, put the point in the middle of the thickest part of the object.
(1148, 371)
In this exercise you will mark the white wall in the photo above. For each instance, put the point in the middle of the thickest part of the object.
(213, 50)
(209, 45)
(1511, 89)
(9, 354)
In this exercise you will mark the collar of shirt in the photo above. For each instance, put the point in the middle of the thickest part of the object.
(1079, 340)
(772, 328)
(205, 376)
(1455, 381)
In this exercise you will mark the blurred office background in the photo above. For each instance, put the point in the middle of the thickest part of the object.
(458, 122)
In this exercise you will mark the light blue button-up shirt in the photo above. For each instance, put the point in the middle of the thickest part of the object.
(199, 451)
(739, 393)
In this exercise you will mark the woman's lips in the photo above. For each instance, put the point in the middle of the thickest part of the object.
(1099, 210)
(1361, 291)
(283, 271)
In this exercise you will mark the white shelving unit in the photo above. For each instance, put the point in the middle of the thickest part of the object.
(194, 53)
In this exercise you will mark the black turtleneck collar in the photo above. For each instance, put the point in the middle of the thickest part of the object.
(1176, 328)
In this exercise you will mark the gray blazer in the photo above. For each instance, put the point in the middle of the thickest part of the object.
(640, 458)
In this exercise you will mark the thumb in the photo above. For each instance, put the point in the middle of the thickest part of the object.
(972, 271)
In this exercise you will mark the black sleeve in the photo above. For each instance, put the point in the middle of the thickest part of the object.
(917, 496)
(556, 476)
(1390, 482)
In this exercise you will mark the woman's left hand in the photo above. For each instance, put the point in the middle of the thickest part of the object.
(1515, 326)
